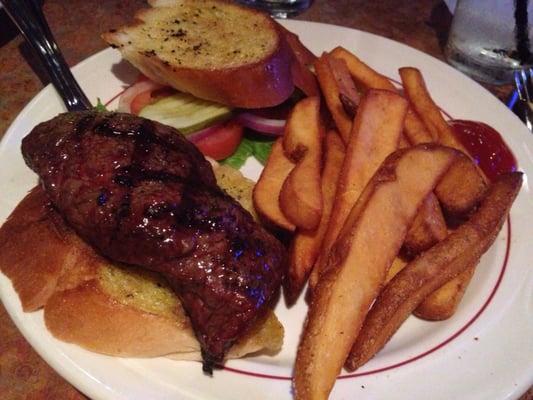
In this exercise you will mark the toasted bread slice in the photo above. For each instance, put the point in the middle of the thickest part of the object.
(103, 307)
(215, 50)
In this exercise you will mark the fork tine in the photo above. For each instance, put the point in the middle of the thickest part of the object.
(519, 85)
(524, 80)
(529, 86)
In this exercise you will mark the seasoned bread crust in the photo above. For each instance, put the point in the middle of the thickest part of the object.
(213, 49)
(104, 307)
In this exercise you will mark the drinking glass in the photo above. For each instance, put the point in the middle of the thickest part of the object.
(489, 39)
(279, 8)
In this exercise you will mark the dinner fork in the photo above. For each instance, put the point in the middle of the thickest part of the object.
(524, 89)
(29, 18)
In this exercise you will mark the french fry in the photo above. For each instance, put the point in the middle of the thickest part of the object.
(415, 130)
(463, 186)
(462, 189)
(398, 264)
(362, 73)
(303, 130)
(302, 58)
(306, 244)
(419, 97)
(302, 53)
(428, 228)
(358, 264)
(367, 78)
(458, 252)
(331, 92)
(304, 79)
(348, 94)
(459, 191)
(376, 132)
(443, 302)
(300, 198)
(268, 187)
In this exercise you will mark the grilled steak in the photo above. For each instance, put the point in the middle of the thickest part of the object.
(142, 194)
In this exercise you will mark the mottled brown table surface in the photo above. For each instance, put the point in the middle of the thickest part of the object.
(76, 24)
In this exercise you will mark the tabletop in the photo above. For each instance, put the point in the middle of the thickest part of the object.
(76, 24)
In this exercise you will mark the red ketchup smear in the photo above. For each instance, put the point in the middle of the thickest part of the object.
(486, 146)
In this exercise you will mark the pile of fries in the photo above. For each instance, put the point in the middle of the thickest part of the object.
(390, 214)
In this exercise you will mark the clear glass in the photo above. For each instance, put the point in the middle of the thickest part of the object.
(487, 41)
(279, 8)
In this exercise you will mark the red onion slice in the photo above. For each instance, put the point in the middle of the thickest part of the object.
(124, 102)
(195, 137)
(269, 126)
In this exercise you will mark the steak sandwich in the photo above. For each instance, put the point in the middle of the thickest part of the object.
(141, 194)
(123, 191)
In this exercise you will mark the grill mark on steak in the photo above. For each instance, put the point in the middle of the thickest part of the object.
(141, 194)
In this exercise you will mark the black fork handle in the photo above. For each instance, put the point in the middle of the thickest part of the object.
(29, 18)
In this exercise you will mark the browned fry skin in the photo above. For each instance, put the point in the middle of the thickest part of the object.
(306, 244)
(376, 132)
(331, 93)
(444, 261)
(358, 263)
(460, 190)
(345, 84)
(443, 302)
(398, 264)
(428, 228)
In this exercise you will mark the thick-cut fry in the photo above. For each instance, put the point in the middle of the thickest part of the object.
(415, 130)
(331, 92)
(358, 264)
(428, 228)
(302, 53)
(300, 198)
(462, 189)
(398, 264)
(419, 97)
(303, 130)
(367, 78)
(305, 245)
(442, 303)
(376, 132)
(268, 187)
(348, 93)
(362, 73)
(431, 270)
(303, 78)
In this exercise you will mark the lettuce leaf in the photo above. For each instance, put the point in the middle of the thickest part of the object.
(251, 145)
(99, 105)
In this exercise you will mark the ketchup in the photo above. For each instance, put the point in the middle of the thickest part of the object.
(486, 146)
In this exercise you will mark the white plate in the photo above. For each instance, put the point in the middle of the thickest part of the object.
(484, 352)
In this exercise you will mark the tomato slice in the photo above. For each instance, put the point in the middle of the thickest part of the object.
(148, 96)
(222, 142)
(141, 100)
